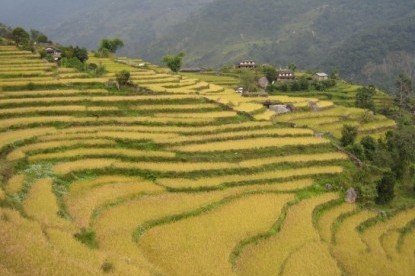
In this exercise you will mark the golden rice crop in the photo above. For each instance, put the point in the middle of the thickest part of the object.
(324, 104)
(44, 93)
(222, 229)
(143, 98)
(372, 236)
(115, 225)
(348, 244)
(326, 221)
(67, 108)
(28, 248)
(242, 134)
(82, 204)
(248, 107)
(160, 129)
(175, 106)
(267, 256)
(110, 134)
(2, 194)
(408, 245)
(26, 79)
(235, 178)
(156, 80)
(20, 135)
(15, 184)
(41, 205)
(45, 100)
(207, 115)
(375, 257)
(252, 143)
(175, 166)
(84, 164)
(377, 125)
(20, 152)
(25, 249)
(389, 242)
(298, 158)
(266, 115)
(311, 259)
(100, 152)
(83, 185)
(6, 123)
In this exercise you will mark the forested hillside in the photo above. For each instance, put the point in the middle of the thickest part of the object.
(367, 42)
(348, 35)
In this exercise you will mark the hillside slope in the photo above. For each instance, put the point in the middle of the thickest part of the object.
(347, 35)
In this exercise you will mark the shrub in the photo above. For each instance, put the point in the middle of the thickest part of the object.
(87, 237)
(107, 267)
(123, 77)
(349, 134)
(385, 188)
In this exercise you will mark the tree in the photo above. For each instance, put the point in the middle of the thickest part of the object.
(401, 145)
(369, 147)
(403, 92)
(349, 134)
(364, 98)
(20, 36)
(37, 36)
(292, 67)
(385, 188)
(270, 72)
(81, 54)
(174, 62)
(123, 77)
(112, 45)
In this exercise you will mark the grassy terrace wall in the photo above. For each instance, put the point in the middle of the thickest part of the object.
(179, 177)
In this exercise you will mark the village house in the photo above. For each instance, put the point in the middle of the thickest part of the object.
(320, 76)
(285, 75)
(56, 53)
(247, 64)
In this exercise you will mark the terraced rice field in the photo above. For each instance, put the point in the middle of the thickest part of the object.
(183, 179)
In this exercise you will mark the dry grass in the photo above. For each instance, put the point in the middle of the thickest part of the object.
(204, 243)
(268, 256)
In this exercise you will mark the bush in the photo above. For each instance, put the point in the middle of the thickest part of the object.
(107, 267)
(349, 134)
(87, 237)
(73, 63)
(123, 77)
(385, 188)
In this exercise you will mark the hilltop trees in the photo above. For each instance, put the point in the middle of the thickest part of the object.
(364, 97)
(174, 62)
(20, 36)
(404, 91)
(109, 46)
(349, 134)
